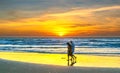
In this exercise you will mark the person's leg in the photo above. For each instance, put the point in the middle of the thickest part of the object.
(71, 59)
(68, 60)
(68, 57)
(74, 58)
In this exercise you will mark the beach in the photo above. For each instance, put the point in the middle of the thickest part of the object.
(59, 36)
(21, 67)
(84, 60)
(46, 55)
(25, 62)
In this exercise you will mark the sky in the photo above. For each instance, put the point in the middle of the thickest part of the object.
(60, 18)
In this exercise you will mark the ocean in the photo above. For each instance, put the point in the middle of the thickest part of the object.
(58, 45)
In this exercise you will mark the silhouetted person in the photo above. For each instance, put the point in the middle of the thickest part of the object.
(69, 51)
(72, 51)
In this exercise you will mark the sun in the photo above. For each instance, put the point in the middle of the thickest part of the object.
(61, 34)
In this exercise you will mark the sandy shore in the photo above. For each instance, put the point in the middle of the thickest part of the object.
(61, 59)
(22, 62)
(21, 67)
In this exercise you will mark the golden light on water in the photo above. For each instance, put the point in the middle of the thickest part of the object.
(61, 59)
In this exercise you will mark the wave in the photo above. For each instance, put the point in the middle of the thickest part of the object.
(84, 45)
(64, 50)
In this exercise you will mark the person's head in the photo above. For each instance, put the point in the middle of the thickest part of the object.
(71, 41)
(68, 43)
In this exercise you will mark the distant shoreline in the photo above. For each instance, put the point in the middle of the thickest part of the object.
(60, 37)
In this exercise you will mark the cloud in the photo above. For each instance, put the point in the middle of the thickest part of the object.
(107, 8)
(74, 16)
(84, 12)
(77, 21)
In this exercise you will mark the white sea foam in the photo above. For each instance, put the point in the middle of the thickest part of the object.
(83, 45)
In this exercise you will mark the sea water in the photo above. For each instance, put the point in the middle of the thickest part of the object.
(58, 45)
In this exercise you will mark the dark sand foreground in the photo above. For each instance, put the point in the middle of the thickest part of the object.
(7, 66)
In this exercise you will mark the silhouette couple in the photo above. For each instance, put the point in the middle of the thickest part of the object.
(71, 56)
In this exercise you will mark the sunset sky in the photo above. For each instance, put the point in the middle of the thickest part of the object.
(62, 18)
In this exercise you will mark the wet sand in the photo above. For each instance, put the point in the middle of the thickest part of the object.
(7, 66)
(83, 60)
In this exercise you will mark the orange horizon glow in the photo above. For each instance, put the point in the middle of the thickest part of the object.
(71, 23)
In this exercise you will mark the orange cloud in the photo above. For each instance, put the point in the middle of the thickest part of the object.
(71, 23)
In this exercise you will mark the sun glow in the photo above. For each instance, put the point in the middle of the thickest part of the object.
(61, 34)
(61, 31)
